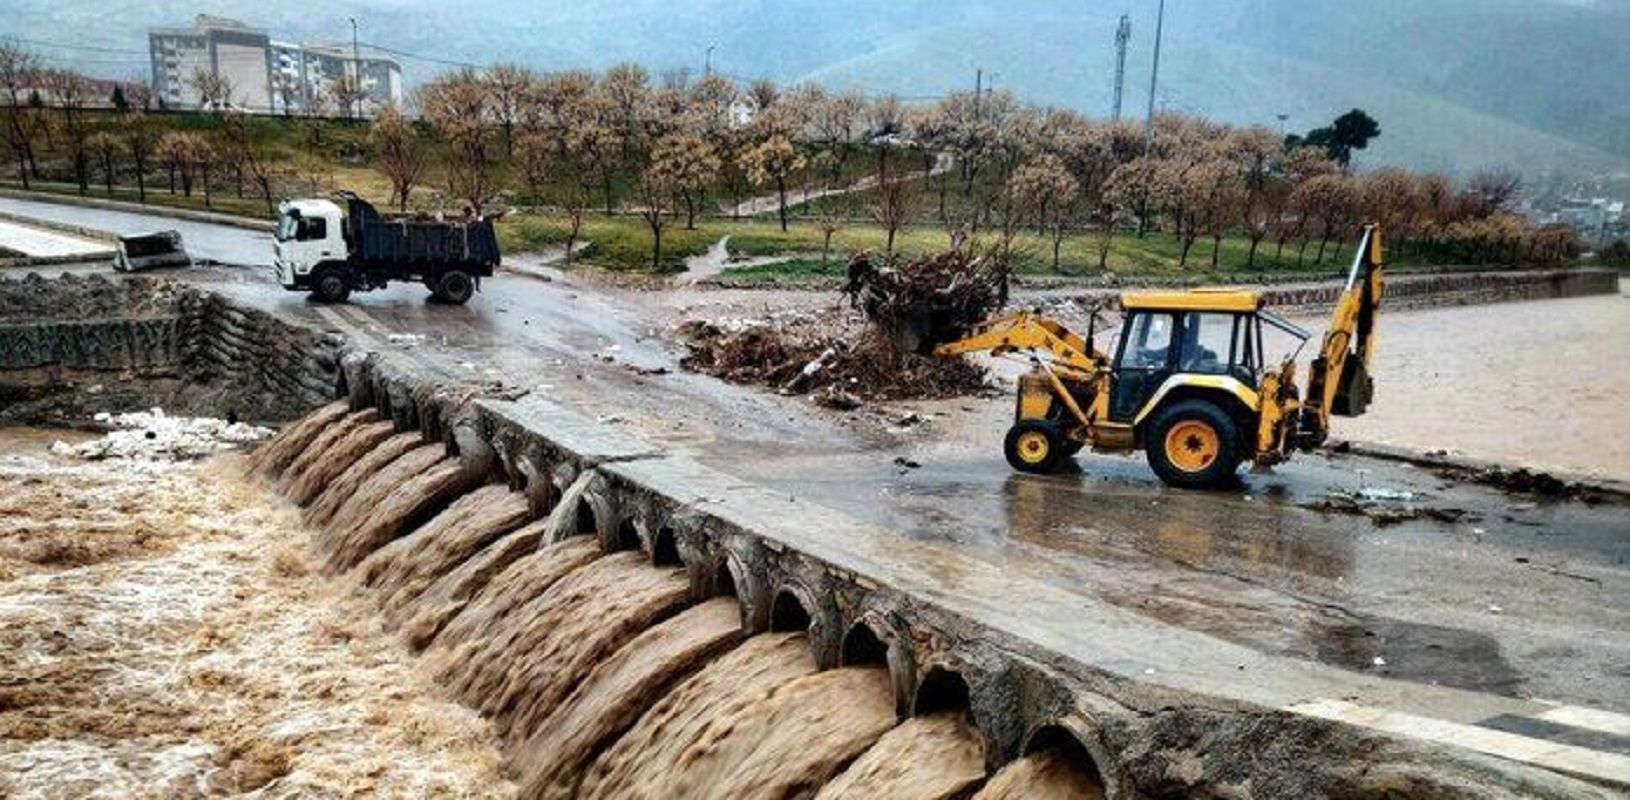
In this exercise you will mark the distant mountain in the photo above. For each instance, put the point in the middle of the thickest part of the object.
(1458, 85)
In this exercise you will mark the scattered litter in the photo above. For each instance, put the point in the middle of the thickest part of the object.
(610, 419)
(836, 398)
(154, 436)
(906, 464)
(408, 339)
(1378, 661)
(1379, 495)
(1493, 609)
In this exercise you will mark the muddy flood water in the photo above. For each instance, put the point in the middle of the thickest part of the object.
(163, 634)
(183, 630)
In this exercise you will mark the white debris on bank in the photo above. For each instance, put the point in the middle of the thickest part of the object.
(154, 436)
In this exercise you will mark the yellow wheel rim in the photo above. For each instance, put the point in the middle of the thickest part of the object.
(1033, 447)
(1192, 445)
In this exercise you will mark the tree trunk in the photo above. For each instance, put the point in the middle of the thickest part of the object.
(781, 193)
(1188, 244)
(605, 189)
(1058, 241)
(141, 183)
(107, 173)
(690, 211)
(1250, 260)
(656, 248)
(826, 246)
(22, 168)
(1216, 249)
(889, 250)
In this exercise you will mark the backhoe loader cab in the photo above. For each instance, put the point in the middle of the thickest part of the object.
(1187, 381)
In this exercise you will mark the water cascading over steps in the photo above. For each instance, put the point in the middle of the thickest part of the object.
(604, 675)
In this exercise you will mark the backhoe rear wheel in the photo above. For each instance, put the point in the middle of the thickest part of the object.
(1036, 446)
(1194, 444)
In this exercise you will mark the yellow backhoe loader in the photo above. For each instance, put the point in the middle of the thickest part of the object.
(1187, 382)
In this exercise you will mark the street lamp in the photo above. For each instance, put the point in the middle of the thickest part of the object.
(707, 64)
(1154, 76)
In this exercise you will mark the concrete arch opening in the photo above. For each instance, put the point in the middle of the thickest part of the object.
(584, 521)
(628, 535)
(941, 690)
(1057, 741)
(665, 548)
(861, 647)
(788, 613)
(724, 581)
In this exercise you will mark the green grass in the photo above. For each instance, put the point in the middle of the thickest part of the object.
(624, 244)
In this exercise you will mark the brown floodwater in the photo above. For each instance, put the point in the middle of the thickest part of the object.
(932, 757)
(617, 691)
(308, 481)
(408, 565)
(163, 633)
(1048, 775)
(334, 496)
(389, 502)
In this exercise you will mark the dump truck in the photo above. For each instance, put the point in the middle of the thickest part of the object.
(332, 248)
(1187, 381)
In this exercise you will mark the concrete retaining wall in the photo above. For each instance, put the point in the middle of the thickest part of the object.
(60, 337)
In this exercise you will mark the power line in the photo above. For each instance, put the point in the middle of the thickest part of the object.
(91, 48)
(405, 54)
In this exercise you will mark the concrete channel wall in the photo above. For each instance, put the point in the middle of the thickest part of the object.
(192, 350)
(863, 597)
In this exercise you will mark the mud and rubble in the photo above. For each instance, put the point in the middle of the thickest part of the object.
(880, 353)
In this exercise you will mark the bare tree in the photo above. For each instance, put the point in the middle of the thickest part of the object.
(214, 89)
(1217, 190)
(105, 147)
(534, 159)
(828, 221)
(1044, 191)
(249, 158)
(140, 141)
(511, 88)
(689, 165)
(891, 208)
(23, 123)
(575, 202)
(70, 90)
(348, 93)
(657, 187)
(1329, 200)
(771, 163)
(457, 105)
(399, 153)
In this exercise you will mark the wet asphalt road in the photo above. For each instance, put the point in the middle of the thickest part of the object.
(1503, 595)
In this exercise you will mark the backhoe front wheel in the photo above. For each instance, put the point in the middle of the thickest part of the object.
(1194, 444)
(1036, 446)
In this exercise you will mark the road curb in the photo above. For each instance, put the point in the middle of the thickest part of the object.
(247, 223)
(1490, 473)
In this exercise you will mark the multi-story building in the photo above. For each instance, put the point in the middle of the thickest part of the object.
(214, 46)
(266, 75)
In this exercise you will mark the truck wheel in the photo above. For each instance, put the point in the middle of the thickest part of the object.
(330, 287)
(1035, 446)
(1193, 444)
(454, 286)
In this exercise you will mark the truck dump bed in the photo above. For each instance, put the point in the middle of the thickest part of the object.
(471, 245)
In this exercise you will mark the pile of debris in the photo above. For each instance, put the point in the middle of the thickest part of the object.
(882, 354)
(930, 300)
(155, 436)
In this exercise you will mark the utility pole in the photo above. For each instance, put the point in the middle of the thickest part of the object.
(1123, 34)
(1281, 117)
(356, 72)
(1154, 77)
(707, 62)
(978, 89)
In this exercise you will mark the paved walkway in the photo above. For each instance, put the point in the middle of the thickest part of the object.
(40, 243)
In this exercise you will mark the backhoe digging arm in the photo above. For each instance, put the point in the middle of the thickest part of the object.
(1032, 332)
(1339, 378)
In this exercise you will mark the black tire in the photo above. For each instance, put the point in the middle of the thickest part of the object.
(1035, 446)
(330, 286)
(455, 287)
(1183, 426)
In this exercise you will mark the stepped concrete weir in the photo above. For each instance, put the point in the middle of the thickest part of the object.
(561, 578)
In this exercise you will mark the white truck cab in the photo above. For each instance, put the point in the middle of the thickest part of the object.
(309, 232)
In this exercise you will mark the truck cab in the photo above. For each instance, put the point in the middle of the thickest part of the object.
(309, 233)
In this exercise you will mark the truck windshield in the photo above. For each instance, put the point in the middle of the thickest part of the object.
(286, 225)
